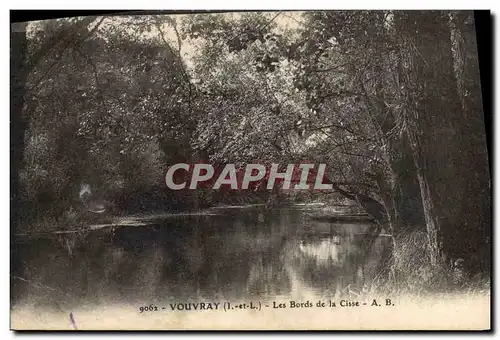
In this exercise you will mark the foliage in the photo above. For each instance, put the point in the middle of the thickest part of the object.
(114, 101)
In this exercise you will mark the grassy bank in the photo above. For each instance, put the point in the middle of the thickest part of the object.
(410, 273)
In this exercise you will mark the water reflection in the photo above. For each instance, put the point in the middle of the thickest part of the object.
(325, 250)
(241, 254)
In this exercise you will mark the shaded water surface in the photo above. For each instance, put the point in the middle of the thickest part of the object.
(239, 253)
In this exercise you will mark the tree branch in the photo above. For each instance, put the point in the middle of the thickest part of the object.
(66, 45)
(99, 88)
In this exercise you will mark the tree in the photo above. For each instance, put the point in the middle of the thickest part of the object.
(353, 83)
(443, 141)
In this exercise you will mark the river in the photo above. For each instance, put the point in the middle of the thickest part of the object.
(227, 253)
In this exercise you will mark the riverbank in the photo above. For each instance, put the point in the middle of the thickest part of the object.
(78, 221)
(410, 271)
(248, 252)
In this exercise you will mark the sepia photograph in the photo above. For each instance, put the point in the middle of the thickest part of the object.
(250, 170)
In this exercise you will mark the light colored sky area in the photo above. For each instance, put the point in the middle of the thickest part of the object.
(285, 21)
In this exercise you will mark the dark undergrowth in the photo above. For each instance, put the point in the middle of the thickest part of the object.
(410, 272)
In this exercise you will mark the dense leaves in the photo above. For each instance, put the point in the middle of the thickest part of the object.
(115, 101)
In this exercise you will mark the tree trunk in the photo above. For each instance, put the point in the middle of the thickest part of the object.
(441, 139)
(407, 201)
(398, 182)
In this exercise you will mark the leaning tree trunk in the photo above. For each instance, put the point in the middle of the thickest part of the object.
(397, 180)
(440, 136)
(405, 190)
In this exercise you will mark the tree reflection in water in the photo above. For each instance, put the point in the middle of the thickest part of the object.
(241, 254)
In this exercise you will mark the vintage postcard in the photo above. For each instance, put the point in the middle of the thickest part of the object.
(286, 170)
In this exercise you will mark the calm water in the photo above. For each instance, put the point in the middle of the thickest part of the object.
(231, 254)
